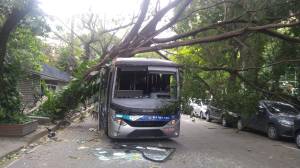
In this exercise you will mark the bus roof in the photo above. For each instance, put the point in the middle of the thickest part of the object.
(144, 62)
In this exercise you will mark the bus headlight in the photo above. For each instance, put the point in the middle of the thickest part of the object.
(117, 118)
(119, 121)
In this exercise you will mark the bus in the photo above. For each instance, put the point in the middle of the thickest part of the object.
(135, 96)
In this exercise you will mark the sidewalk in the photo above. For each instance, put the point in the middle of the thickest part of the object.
(9, 145)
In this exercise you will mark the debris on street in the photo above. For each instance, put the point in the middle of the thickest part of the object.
(117, 154)
(82, 147)
(74, 157)
(135, 152)
(92, 129)
(51, 134)
(152, 153)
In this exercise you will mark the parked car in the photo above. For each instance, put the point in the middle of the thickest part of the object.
(196, 108)
(272, 117)
(297, 131)
(223, 116)
(203, 109)
(213, 113)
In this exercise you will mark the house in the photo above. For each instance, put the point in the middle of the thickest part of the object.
(31, 87)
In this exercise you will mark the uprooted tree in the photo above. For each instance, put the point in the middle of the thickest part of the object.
(144, 35)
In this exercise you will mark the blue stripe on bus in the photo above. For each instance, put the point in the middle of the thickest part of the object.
(145, 117)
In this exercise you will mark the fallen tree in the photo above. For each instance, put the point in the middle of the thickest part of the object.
(144, 35)
(143, 39)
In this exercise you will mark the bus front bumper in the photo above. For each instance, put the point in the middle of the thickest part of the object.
(125, 131)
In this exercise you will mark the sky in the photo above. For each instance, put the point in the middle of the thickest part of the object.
(67, 8)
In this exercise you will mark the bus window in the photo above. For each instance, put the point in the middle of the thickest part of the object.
(145, 84)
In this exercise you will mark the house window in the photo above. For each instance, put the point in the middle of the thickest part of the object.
(51, 87)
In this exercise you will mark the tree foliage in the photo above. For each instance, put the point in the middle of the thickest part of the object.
(20, 54)
(241, 70)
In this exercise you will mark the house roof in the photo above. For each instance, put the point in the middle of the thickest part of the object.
(51, 73)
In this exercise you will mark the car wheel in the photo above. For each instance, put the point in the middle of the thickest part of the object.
(240, 125)
(192, 114)
(272, 132)
(224, 122)
(208, 119)
(298, 139)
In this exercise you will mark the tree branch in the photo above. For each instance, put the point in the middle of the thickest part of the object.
(215, 38)
(162, 55)
(281, 36)
(196, 31)
(138, 24)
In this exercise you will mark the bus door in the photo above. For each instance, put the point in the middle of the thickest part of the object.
(103, 97)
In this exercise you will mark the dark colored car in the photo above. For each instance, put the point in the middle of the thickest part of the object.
(272, 117)
(223, 116)
(297, 131)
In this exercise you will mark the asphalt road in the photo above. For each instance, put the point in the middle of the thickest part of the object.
(201, 144)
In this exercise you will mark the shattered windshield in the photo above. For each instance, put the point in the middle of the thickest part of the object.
(142, 83)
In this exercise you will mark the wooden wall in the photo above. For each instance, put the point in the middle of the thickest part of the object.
(29, 87)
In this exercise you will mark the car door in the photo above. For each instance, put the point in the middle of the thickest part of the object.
(211, 111)
(218, 113)
(261, 118)
(214, 112)
(251, 121)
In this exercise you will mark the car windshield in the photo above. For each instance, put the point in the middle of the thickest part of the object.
(277, 108)
(141, 83)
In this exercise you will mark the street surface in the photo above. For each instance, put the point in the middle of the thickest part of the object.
(201, 144)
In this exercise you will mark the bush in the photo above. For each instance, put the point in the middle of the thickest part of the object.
(10, 99)
(63, 103)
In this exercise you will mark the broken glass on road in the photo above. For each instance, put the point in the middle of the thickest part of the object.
(135, 152)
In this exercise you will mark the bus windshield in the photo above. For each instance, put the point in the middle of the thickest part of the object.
(142, 83)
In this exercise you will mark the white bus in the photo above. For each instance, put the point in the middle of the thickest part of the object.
(133, 96)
